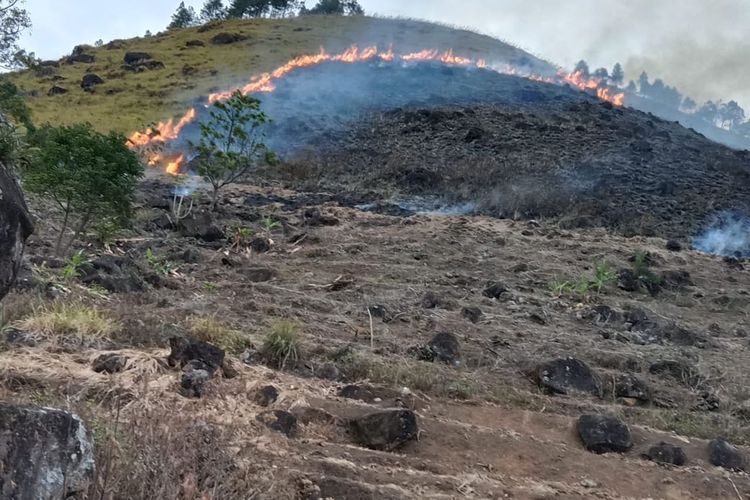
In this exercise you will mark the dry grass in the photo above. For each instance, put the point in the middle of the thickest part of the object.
(69, 322)
(212, 330)
(129, 101)
(282, 346)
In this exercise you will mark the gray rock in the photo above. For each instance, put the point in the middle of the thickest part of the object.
(15, 227)
(279, 421)
(665, 453)
(723, 454)
(567, 376)
(44, 453)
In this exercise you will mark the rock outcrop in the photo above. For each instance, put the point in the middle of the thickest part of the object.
(15, 227)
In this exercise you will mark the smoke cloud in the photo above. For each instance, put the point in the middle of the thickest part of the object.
(729, 236)
(699, 46)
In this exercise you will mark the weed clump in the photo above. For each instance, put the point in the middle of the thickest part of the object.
(282, 345)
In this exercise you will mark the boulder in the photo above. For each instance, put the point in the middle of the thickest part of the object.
(57, 90)
(568, 376)
(604, 434)
(185, 350)
(195, 43)
(495, 290)
(194, 379)
(279, 421)
(385, 430)
(266, 396)
(15, 227)
(81, 58)
(113, 273)
(473, 314)
(91, 80)
(227, 38)
(629, 386)
(723, 454)
(44, 453)
(110, 362)
(665, 453)
(136, 57)
(201, 225)
(446, 348)
(315, 218)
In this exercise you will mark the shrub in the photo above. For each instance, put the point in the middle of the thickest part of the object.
(282, 345)
(90, 176)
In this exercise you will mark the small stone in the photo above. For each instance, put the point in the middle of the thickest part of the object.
(665, 453)
(495, 290)
(446, 348)
(588, 483)
(266, 396)
(279, 421)
(473, 314)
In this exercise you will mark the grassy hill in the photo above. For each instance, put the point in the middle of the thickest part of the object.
(127, 101)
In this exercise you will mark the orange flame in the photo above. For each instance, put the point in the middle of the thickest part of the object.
(264, 83)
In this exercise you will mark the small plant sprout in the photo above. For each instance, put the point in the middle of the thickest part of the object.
(72, 268)
(603, 275)
(240, 237)
(269, 224)
(158, 264)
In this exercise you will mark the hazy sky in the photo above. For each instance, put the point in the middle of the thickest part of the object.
(702, 46)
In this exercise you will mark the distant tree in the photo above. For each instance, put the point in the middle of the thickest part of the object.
(148, 34)
(183, 17)
(632, 87)
(249, 8)
(689, 105)
(643, 84)
(13, 105)
(90, 176)
(730, 115)
(282, 8)
(618, 75)
(708, 112)
(231, 142)
(337, 7)
(582, 68)
(601, 74)
(213, 10)
(14, 20)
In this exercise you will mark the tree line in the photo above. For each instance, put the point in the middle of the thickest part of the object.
(216, 10)
(727, 115)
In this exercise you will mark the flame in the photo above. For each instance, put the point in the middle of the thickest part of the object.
(170, 130)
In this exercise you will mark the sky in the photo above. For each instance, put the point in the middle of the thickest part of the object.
(701, 46)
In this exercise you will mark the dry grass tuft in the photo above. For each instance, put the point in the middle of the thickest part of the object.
(212, 330)
(69, 322)
(282, 346)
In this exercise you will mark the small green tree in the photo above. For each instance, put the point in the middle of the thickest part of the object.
(14, 20)
(89, 175)
(231, 143)
(213, 10)
(618, 74)
(183, 17)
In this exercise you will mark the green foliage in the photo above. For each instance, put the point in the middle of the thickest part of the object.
(336, 7)
(183, 17)
(240, 237)
(72, 268)
(105, 230)
(213, 10)
(603, 276)
(642, 269)
(159, 265)
(269, 224)
(231, 143)
(282, 345)
(87, 174)
(14, 21)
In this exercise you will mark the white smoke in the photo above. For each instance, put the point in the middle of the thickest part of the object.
(728, 237)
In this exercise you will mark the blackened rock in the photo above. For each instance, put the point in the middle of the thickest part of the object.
(677, 279)
(473, 314)
(81, 58)
(665, 453)
(385, 430)
(136, 57)
(195, 43)
(630, 386)
(266, 396)
(110, 362)
(446, 348)
(314, 217)
(674, 246)
(474, 134)
(495, 290)
(567, 376)
(194, 379)
(260, 245)
(723, 454)
(430, 300)
(628, 281)
(677, 370)
(604, 434)
(15, 227)
(279, 421)
(259, 274)
(227, 38)
(45, 453)
(604, 315)
(201, 225)
(113, 273)
(57, 90)
(185, 350)
(91, 80)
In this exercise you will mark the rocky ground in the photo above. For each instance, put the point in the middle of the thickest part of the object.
(440, 356)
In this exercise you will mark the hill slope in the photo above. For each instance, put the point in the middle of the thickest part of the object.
(129, 100)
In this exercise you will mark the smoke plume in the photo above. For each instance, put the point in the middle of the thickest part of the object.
(728, 236)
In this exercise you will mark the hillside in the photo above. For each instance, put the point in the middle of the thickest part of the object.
(128, 101)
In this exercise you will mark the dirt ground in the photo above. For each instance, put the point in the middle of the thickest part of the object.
(364, 290)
